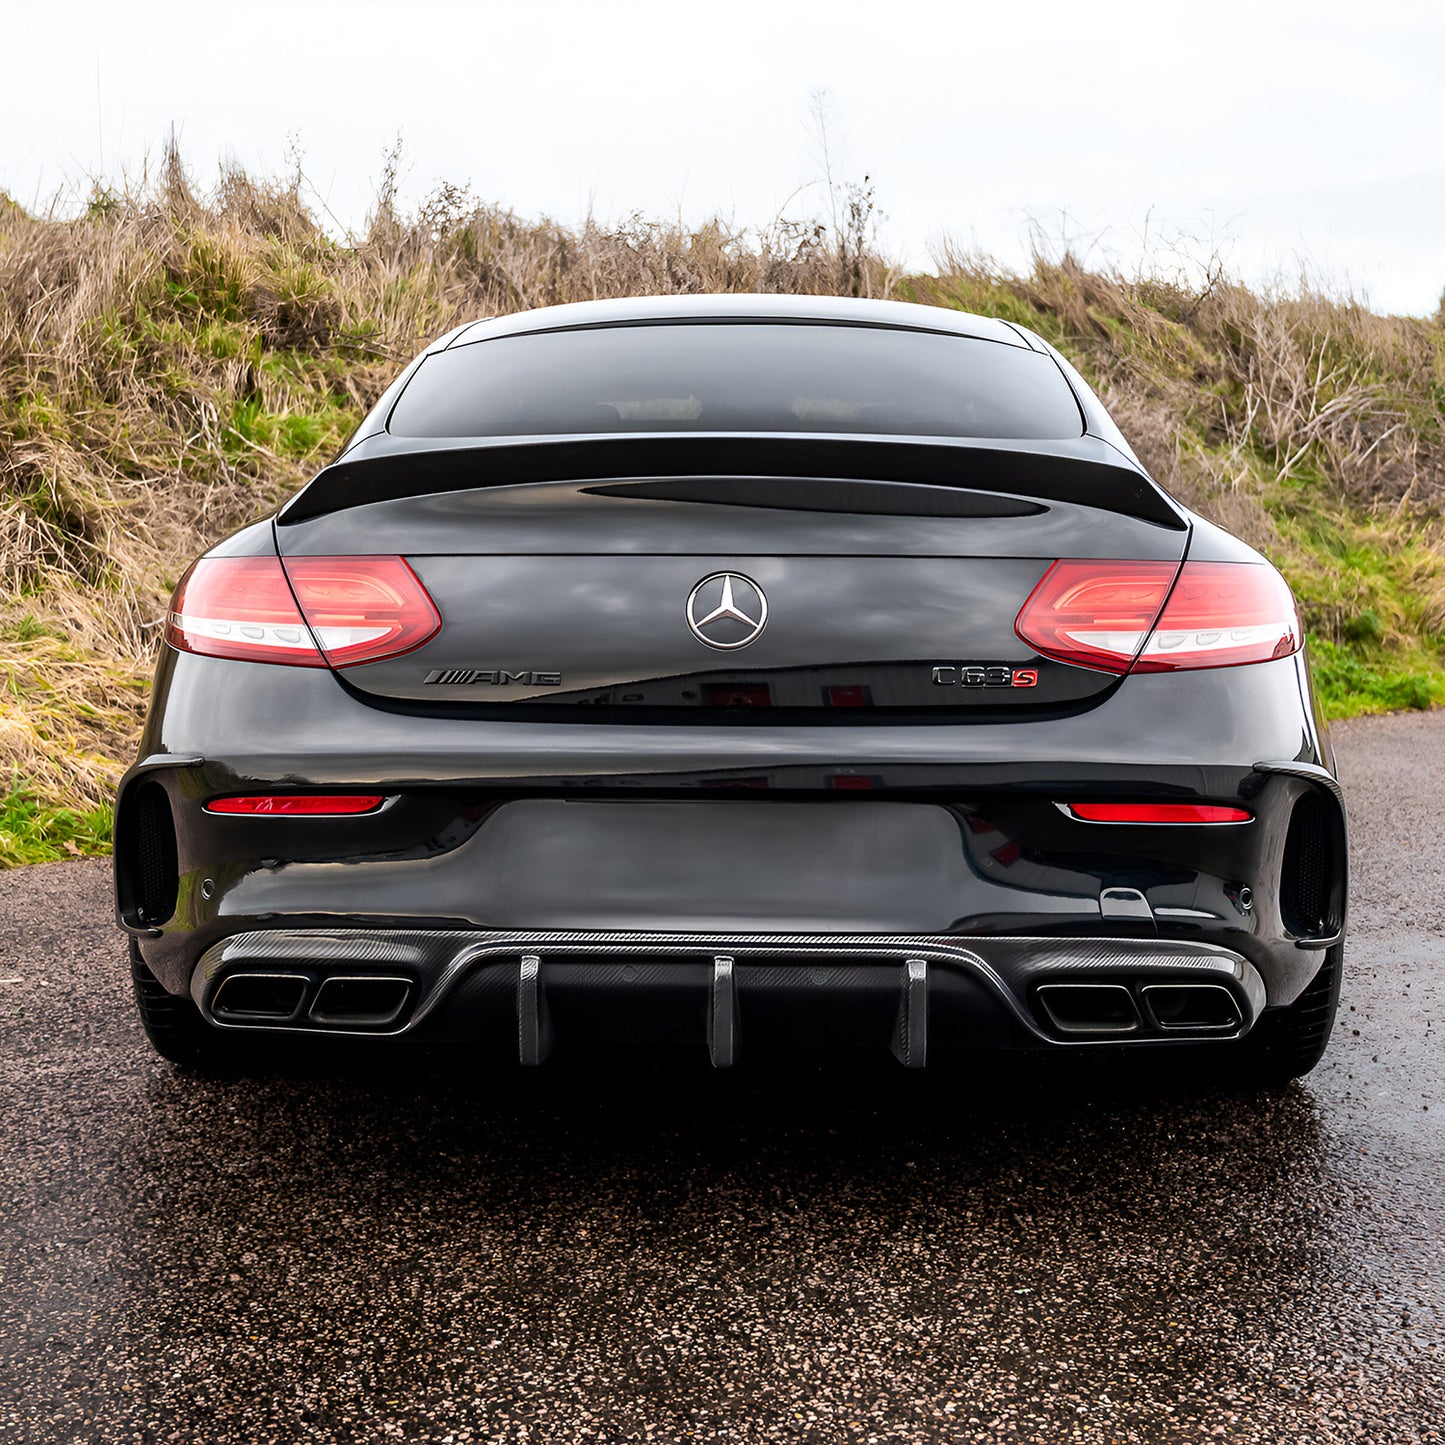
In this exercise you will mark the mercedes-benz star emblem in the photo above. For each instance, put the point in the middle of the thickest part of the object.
(726, 610)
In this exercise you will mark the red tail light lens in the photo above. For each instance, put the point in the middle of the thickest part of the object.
(1156, 813)
(362, 609)
(1114, 616)
(240, 607)
(1222, 614)
(1095, 614)
(352, 610)
(298, 805)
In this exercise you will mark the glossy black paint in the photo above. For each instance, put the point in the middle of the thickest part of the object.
(1016, 864)
(1086, 469)
(929, 810)
(872, 585)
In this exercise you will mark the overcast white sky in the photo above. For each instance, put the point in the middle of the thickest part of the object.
(1286, 133)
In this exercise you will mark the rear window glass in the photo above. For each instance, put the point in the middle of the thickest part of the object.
(738, 377)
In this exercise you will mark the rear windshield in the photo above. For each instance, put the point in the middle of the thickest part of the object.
(722, 377)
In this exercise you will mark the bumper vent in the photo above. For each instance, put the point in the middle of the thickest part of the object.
(147, 848)
(1308, 882)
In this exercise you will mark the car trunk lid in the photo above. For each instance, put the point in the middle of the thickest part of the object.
(683, 595)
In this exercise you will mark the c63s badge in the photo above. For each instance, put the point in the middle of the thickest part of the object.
(974, 674)
(491, 677)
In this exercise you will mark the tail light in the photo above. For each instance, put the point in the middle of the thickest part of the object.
(240, 607)
(1221, 614)
(362, 609)
(1095, 614)
(312, 612)
(1160, 617)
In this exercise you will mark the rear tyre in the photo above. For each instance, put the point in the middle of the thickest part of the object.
(1289, 1042)
(173, 1025)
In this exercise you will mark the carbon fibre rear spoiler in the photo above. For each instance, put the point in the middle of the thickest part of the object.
(1084, 470)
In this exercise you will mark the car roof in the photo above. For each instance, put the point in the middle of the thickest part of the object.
(816, 310)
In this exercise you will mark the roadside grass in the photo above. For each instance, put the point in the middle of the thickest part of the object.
(32, 831)
(1349, 684)
(174, 362)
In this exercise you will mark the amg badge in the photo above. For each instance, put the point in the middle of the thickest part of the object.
(492, 677)
(973, 674)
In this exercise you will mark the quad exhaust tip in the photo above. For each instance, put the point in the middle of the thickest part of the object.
(259, 998)
(1110, 1009)
(1089, 1008)
(341, 1001)
(1196, 1007)
(361, 1001)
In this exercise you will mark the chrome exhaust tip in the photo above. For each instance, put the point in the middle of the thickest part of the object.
(360, 1000)
(260, 998)
(1196, 1008)
(1097, 1009)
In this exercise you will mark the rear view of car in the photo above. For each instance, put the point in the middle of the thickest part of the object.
(756, 671)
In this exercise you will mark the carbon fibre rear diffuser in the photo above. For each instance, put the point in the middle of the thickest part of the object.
(910, 1030)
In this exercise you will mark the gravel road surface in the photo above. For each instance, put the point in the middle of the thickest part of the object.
(339, 1253)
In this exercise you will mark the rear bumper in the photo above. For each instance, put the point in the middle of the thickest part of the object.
(942, 844)
(518, 993)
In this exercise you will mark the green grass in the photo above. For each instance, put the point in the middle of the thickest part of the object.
(34, 832)
(1351, 681)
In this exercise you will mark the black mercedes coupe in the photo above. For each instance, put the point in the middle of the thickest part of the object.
(742, 673)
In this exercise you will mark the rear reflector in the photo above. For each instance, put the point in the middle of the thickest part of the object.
(1155, 813)
(298, 805)
(351, 610)
(1114, 616)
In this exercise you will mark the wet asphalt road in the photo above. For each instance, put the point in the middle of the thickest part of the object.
(347, 1254)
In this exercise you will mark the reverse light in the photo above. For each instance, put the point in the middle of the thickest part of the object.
(1155, 813)
(311, 612)
(1159, 616)
(298, 805)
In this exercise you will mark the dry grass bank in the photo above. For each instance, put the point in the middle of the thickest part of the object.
(174, 362)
